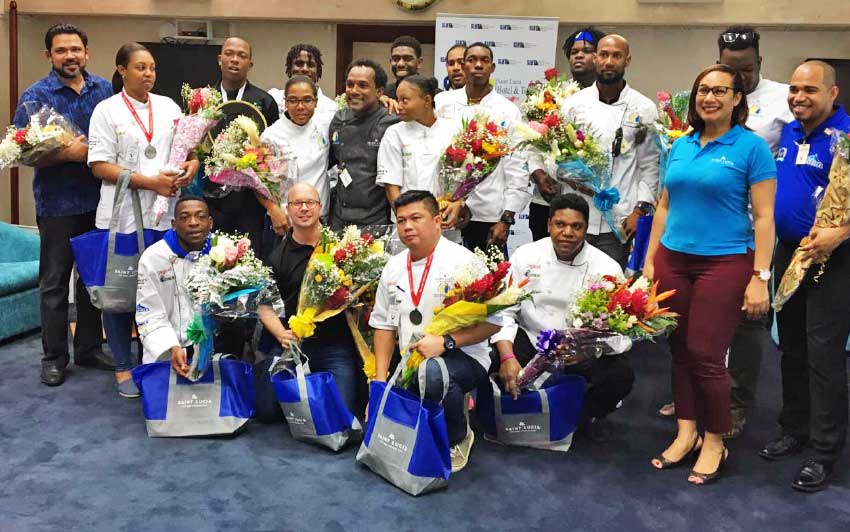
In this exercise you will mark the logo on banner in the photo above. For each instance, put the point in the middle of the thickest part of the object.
(534, 27)
(460, 41)
(447, 25)
(505, 27)
(503, 61)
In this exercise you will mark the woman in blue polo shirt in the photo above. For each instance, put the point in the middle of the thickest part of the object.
(703, 246)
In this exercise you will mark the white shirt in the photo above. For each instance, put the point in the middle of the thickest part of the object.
(506, 189)
(409, 155)
(554, 284)
(310, 147)
(635, 171)
(769, 111)
(115, 137)
(393, 302)
(325, 107)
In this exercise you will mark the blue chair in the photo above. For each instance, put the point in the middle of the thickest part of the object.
(19, 253)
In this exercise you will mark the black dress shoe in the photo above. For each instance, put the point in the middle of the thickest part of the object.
(98, 360)
(781, 447)
(596, 429)
(813, 476)
(52, 374)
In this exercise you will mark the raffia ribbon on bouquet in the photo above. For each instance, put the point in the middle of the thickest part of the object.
(833, 211)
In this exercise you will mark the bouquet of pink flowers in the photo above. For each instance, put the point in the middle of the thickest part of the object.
(472, 156)
(203, 106)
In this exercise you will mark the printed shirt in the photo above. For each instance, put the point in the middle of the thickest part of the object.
(797, 184)
(555, 285)
(68, 188)
(393, 302)
(635, 170)
(769, 112)
(709, 191)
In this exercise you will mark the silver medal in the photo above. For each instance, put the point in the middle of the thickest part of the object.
(150, 151)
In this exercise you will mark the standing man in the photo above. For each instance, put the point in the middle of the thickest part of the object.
(66, 197)
(768, 114)
(305, 60)
(620, 116)
(815, 322)
(455, 77)
(405, 60)
(411, 286)
(496, 200)
(580, 49)
(356, 134)
(243, 211)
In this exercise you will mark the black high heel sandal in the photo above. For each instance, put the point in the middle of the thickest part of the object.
(670, 464)
(708, 478)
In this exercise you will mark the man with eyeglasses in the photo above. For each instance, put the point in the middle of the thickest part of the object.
(305, 60)
(619, 116)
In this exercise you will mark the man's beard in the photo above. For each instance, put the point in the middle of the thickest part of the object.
(61, 73)
(617, 78)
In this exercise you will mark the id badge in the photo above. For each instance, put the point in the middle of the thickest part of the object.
(802, 154)
(345, 177)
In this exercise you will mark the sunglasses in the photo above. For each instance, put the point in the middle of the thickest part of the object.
(731, 37)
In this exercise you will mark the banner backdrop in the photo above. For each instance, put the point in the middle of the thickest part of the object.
(523, 48)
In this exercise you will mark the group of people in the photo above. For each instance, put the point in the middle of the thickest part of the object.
(736, 188)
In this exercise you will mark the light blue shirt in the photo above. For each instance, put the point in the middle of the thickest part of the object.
(708, 188)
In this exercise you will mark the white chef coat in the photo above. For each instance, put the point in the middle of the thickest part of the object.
(393, 302)
(507, 188)
(115, 137)
(769, 111)
(325, 107)
(409, 155)
(635, 171)
(555, 285)
(310, 146)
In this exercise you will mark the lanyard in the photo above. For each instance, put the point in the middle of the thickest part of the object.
(239, 93)
(416, 296)
(148, 134)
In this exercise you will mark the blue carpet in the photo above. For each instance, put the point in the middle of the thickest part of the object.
(77, 457)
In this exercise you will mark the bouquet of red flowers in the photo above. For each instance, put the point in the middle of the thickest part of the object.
(472, 156)
(46, 131)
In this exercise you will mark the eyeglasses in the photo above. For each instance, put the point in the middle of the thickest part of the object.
(617, 145)
(730, 37)
(308, 101)
(309, 203)
(718, 91)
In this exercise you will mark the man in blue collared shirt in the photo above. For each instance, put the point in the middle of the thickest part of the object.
(66, 196)
(815, 322)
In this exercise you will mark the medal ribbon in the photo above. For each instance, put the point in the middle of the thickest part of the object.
(148, 134)
(416, 296)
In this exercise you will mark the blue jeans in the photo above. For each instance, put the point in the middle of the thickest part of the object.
(119, 336)
(465, 374)
(340, 360)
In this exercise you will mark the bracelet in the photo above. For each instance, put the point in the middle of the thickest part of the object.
(506, 356)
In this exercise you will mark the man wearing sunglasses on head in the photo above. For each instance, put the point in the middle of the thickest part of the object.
(619, 118)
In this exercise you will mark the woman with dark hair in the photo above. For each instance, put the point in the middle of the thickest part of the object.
(409, 156)
(704, 246)
(132, 132)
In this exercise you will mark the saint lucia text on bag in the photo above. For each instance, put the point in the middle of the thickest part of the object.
(194, 402)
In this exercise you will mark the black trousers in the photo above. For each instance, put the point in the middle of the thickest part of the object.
(240, 212)
(538, 221)
(54, 276)
(751, 341)
(475, 235)
(813, 329)
(611, 246)
(609, 378)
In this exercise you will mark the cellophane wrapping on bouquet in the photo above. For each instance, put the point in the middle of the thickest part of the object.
(228, 283)
(46, 131)
(342, 276)
(833, 211)
(240, 159)
(203, 114)
(671, 125)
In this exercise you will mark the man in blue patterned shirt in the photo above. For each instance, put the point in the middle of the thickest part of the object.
(66, 196)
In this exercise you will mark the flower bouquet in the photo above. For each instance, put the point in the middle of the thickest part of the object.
(227, 282)
(607, 316)
(672, 123)
(203, 113)
(545, 97)
(342, 271)
(479, 291)
(833, 211)
(240, 159)
(46, 131)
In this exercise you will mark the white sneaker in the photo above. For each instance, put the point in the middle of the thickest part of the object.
(460, 452)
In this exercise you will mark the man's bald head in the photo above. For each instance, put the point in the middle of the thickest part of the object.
(238, 41)
(812, 93)
(302, 191)
(824, 69)
(615, 40)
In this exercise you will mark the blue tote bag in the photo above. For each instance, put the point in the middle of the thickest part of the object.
(313, 406)
(542, 419)
(406, 439)
(222, 401)
(108, 261)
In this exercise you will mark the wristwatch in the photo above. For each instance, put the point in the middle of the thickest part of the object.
(507, 219)
(645, 208)
(449, 342)
(763, 275)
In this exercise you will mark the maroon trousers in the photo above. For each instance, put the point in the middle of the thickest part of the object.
(709, 295)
